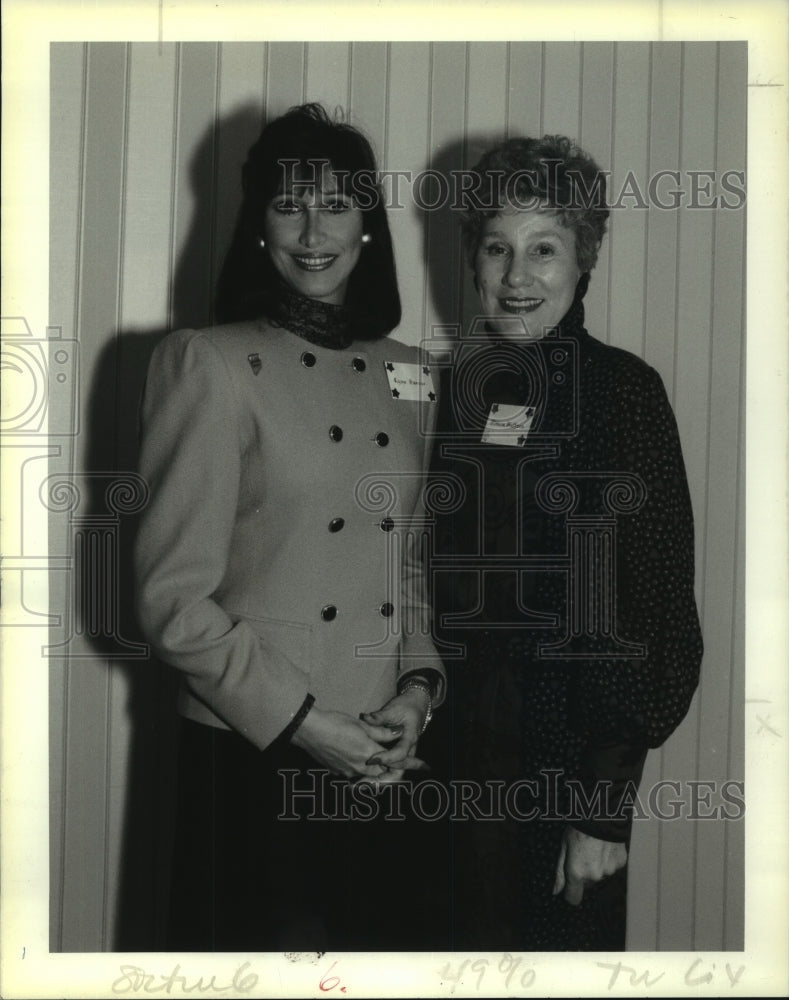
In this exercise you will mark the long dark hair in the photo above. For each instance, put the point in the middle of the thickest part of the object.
(304, 137)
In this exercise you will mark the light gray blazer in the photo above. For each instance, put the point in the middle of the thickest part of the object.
(279, 552)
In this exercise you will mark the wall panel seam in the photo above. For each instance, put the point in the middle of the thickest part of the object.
(680, 151)
(81, 212)
(213, 263)
(645, 298)
(461, 290)
(581, 53)
(673, 401)
(612, 229)
(428, 227)
(349, 84)
(266, 78)
(78, 237)
(174, 180)
(507, 75)
(707, 471)
(739, 523)
(116, 422)
(122, 241)
(736, 589)
(387, 92)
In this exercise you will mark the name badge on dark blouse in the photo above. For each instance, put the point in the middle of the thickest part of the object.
(509, 424)
(410, 381)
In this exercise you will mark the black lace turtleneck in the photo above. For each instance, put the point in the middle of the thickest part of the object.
(318, 322)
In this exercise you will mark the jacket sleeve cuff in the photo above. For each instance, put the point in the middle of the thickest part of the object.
(608, 787)
(418, 656)
(287, 733)
(434, 678)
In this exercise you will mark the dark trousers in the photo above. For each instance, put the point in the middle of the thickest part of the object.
(266, 859)
(506, 901)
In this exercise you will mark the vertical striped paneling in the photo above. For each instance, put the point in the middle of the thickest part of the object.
(408, 149)
(147, 250)
(659, 319)
(447, 151)
(628, 220)
(86, 833)
(596, 99)
(67, 71)
(369, 72)
(285, 77)
(561, 88)
(103, 177)
(596, 136)
(486, 124)
(524, 89)
(723, 683)
(67, 86)
(195, 182)
(328, 75)
(661, 277)
(239, 117)
(67, 107)
(147, 144)
(733, 899)
(691, 400)
(486, 112)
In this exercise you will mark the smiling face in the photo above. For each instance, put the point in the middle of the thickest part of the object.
(526, 270)
(313, 235)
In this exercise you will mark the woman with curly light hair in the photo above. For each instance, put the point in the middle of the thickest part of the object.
(569, 622)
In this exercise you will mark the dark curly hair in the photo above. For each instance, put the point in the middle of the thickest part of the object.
(296, 144)
(553, 173)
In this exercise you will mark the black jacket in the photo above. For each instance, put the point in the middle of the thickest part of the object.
(562, 564)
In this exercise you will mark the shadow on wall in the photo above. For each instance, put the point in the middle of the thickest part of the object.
(104, 595)
(112, 416)
(450, 279)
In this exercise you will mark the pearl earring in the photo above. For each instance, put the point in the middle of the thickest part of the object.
(262, 244)
(367, 238)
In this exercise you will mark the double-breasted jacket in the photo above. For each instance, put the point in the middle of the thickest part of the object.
(279, 553)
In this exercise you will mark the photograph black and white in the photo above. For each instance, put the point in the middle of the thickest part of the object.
(387, 424)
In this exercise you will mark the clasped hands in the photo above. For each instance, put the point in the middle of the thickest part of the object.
(378, 746)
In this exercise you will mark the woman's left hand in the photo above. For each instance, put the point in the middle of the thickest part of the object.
(585, 859)
(407, 710)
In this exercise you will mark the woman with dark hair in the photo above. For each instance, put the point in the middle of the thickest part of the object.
(277, 561)
(252, 282)
(563, 572)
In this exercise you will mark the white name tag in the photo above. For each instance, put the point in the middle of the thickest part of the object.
(410, 381)
(509, 424)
